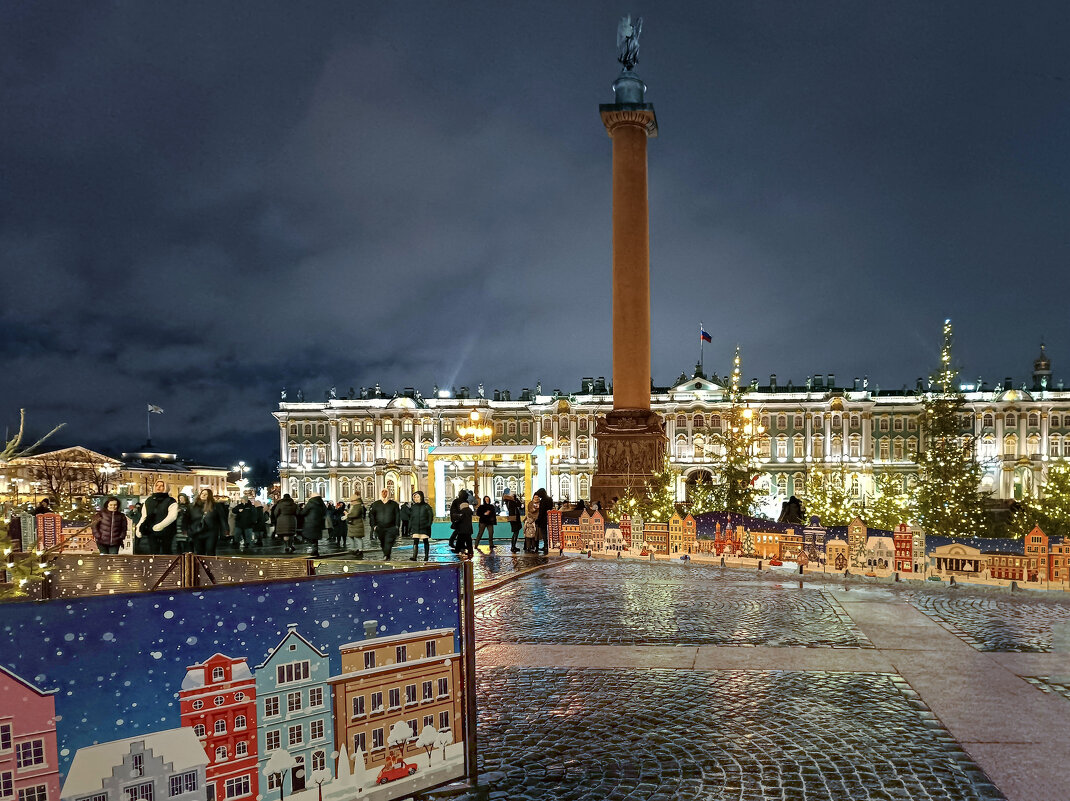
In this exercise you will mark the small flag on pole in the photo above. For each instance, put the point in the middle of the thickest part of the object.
(703, 335)
(155, 409)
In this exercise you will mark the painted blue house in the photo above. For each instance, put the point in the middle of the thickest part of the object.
(293, 707)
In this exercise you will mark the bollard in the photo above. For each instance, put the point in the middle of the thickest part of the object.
(847, 573)
(1014, 586)
(951, 581)
(759, 564)
(800, 570)
(722, 561)
(897, 575)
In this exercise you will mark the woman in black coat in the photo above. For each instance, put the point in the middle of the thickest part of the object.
(487, 516)
(462, 528)
(207, 523)
(284, 519)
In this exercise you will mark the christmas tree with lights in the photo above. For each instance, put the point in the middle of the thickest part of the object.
(889, 506)
(736, 445)
(20, 569)
(947, 502)
(828, 496)
(1051, 511)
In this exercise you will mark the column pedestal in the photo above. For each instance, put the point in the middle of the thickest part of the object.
(631, 447)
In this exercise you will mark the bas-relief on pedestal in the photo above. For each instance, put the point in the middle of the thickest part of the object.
(631, 447)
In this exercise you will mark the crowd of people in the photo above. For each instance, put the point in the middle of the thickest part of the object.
(163, 524)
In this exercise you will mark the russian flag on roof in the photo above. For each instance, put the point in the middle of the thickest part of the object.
(703, 335)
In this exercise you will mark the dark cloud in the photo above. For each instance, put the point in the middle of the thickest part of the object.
(202, 203)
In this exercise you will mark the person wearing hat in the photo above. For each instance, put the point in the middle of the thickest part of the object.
(354, 522)
(421, 516)
(515, 513)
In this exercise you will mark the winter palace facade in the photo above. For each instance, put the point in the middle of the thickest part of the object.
(375, 441)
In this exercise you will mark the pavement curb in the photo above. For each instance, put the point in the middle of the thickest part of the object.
(493, 585)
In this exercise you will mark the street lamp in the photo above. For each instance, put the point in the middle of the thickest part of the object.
(475, 434)
(239, 468)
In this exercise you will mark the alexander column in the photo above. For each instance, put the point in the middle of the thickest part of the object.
(631, 439)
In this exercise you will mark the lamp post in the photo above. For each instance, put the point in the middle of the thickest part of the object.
(240, 469)
(475, 434)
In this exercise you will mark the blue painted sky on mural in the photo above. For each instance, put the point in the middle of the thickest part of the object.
(118, 661)
(204, 202)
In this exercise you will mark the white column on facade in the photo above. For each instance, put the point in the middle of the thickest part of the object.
(1044, 434)
(809, 434)
(867, 427)
(332, 429)
(378, 440)
(827, 416)
(332, 487)
(670, 434)
(284, 451)
(573, 430)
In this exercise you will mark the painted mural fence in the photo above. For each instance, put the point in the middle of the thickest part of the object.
(323, 688)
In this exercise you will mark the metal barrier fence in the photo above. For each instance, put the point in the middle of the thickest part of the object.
(83, 575)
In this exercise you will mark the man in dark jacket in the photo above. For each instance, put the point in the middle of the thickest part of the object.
(158, 519)
(385, 517)
(546, 503)
(515, 510)
(312, 526)
(242, 532)
(462, 497)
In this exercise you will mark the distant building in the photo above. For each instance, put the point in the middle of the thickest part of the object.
(412, 678)
(880, 553)
(149, 767)
(29, 757)
(836, 553)
(814, 536)
(217, 700)
(293, 698)
(681, 533)
(958, 559)
(656, 536)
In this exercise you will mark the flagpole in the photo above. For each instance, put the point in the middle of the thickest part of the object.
(701, 342)
(148, 422)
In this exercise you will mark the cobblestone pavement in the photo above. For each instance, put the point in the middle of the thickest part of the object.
(603, 602)
(1051, 684)
(487, 566)
(739, 736)
(997, 623)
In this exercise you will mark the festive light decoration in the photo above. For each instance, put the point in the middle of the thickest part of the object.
(828, 496)
(1051, 511)
(736, 445)
(947, 502)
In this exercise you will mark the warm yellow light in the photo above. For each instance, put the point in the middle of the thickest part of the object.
(474, 415)
(748, 413)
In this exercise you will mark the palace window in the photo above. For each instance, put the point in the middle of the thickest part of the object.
(897, 423)
(1034, 419)
(797, 447)
(293, 454)
(700, 421)
(1066, 446)
(854, 445)
(406, 425)
(308, 429)
(781, 421)
(681, 421)
(819, 447)
(321, 430)
(583, 448)
(715, 421)
(369, 454)
(525, 428)
(345, 427)
(294, 429)
(897, 449)
(1011, 419)
(407, 449)
(321, 454)
(499, 428)
(855, 421)
(700, 447)
(882, 424)
(388, 450)
(1032, 445)
(798, 484)
(511, 428)
(763, 448)
(782, 485)
(1054, 421)
(1010, 445)
(782, 447)
(837, 421)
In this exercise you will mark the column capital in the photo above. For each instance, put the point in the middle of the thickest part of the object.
(641, 115)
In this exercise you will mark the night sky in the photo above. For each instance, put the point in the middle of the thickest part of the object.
(201, 203)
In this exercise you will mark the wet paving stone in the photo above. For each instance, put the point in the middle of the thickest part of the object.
(991, 622)
(628, 603)
(1058, 685)
(735, 735)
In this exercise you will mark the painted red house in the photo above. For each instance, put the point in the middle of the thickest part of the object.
(553, 529)
(903, 538)
(1036, 554)
(626, 530)
(29, 755)
(218, 701)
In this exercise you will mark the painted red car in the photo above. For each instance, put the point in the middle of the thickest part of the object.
(395, 770)
(775, 563)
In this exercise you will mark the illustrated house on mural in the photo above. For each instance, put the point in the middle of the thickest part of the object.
(681, 533)
(149, 767)
(29, 760)
(294, 700)
(217, 701)
(412, 678)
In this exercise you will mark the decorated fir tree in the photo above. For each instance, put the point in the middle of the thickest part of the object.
(828, 496)
(659, 501)
(1051, 511)
(736, 445)
(21, 569)
(890, 505)
(947, 501)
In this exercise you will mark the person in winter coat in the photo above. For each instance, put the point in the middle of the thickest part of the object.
(158, 516)
(312, 526)
(421, 516)
(243, 532)
(355, 523)
(284, 519)
(109, 526)
(182, 543)
(462, 527)
(546, 503)
(385, 516)
(339, 528)
(260, 520)
(207, 523)
(462, 497)
(487, 515)
(515, 510)
(404, 530)
(531, 527)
